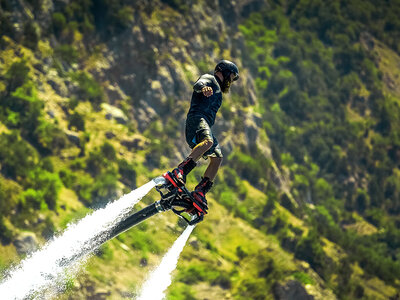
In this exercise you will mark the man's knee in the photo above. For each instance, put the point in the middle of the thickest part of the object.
(207, 143)
(216, 160)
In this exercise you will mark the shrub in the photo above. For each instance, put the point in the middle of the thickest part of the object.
(96, 163)
(9, 194)
(84, 187)
(223, 280)
(67, 177)
(31, 198)
(7, 27)
(310, 250)
(252, 168)
(303, 278)
(252, 288)
(16, 155)
(156, 151)
(6, 235)
(231, 178)
(23, 110)
(127, 172)
(59, 23)
(46, 184)
(76, 121)
(89, 89)
(124, 16)
(36, 4)
(241, 254)
(141, 240)
(179, 291)
(67, 53)
(105, 252)
(47, 164)
(104, 188)
(31, 35)
(108, 151)
(48, 138)
(198, 273)
(17, 75)
(322, 190)
(228, 198)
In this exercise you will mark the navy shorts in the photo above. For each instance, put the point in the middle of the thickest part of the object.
(197, 130)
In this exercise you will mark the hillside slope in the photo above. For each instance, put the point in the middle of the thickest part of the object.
(93, 101)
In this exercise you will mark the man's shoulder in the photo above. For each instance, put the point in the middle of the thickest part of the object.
(208, 77)
(211, 80)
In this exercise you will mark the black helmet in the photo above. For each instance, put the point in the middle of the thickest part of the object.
(227, 67)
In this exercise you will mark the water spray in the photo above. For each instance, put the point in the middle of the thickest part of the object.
(47, 270)
(159, 280)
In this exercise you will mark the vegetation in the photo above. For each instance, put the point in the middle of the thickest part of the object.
(314, 74)
(326, 111)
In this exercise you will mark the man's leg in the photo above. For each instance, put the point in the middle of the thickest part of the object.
(206, 182)
(213, 167)
(200, 139)
(200, 149)
(189, 163)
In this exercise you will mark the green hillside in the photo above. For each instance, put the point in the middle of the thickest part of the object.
(93, 99)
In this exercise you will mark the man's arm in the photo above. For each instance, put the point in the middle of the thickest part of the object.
(202, 86)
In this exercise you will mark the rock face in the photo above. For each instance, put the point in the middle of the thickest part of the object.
(115, 113)
(73, 137)
(291, 290)
(26, 243)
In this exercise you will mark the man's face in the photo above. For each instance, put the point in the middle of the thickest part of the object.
(226, 84)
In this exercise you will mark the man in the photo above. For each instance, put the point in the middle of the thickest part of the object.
(206, 100)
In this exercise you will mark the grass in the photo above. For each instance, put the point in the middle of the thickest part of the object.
(303, 278)
(361, 227)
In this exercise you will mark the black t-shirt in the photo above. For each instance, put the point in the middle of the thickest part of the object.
(206, 107)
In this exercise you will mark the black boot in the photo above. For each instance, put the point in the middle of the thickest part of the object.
(178, 175)
(204, 185)
(200, 191)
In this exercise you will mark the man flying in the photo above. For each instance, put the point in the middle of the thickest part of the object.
(206, 100)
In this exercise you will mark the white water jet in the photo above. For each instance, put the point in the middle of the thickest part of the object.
(160, 279)
(47, 271)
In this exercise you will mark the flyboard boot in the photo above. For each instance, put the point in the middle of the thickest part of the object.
(199, 193)
(177, 177)
(177, 195)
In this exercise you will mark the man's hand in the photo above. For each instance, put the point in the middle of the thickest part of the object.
(207, 91)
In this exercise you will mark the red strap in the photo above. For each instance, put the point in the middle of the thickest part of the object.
(198, 208)
(166, 175)
(195, 204)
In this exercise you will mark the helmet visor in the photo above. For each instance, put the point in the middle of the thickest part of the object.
(233, 77)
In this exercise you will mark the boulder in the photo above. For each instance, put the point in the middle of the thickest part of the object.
(134, 144)
(143, 262)
(73, 137)
(253, 123)
(115, 113)
(291, 290)
(195, 244)
(110, 135)
(51, 114)
(26, 243)
(144, 115)
(114, 93)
